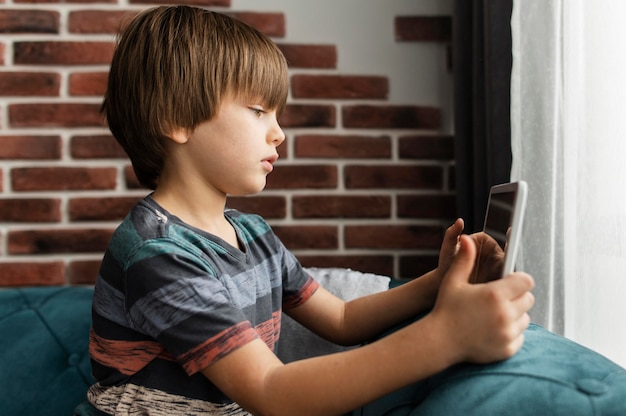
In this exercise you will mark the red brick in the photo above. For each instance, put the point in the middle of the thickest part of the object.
(438, 206)
(83, 272)
(265, 206)
(339, 87)
(62, 53)
(30, 147)
(203, 3)
(62, 178)
(393, 176)
(32, 273)
(393, 236)
(426, 147)
(22, 84)
(30, 210)
(423, 28)
(97, 21)
(377, 264)
(100, 209)
(131, 179)
(335, 146)
(29, 21)
(391, 117)
(271, 24)
(412, 266)
(56, 241)
(307, 237)
(310, 56)
(96, 147)
(88, 83)
(303, 176)
(341, 206)
(301, 115)
(55, 115)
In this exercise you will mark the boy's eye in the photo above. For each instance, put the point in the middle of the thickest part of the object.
(257, 111)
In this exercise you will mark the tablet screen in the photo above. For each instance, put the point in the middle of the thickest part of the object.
(499, 216)
(503, 222)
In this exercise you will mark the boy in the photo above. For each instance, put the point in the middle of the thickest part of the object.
(187, 303)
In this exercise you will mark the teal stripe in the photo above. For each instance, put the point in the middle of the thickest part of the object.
(250, 226)
(126, 240)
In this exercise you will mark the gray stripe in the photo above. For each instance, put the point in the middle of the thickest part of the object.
(172, 304)
(109, 303)
(247, 287)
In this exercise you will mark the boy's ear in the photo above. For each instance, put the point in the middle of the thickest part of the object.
(180, 136)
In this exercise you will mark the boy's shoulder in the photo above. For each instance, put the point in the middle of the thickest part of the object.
(148, 221)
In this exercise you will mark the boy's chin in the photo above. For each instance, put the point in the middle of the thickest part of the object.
(248, 192)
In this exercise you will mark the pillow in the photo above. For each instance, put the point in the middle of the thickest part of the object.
(297, 342)
(550, 375)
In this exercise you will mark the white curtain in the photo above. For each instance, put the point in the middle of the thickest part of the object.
(568, 117)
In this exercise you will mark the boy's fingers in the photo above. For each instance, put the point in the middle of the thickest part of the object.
(524, 303)
(454, 231)
(516, 284)
(463, 263)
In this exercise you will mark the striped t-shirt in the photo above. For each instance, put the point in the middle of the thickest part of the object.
(171, 299)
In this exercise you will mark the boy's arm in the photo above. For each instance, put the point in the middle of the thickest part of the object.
(364, 318)
(361, 319)
(479, 323)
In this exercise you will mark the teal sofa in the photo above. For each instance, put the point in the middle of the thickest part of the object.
(44, 358)
(45, 367)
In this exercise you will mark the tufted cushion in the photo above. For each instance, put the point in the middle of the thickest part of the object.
(44, 350)
(550, 375)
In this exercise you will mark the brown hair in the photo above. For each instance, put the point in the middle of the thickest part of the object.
(171, 69)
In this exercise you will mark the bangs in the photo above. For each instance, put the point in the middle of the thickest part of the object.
(259, 72)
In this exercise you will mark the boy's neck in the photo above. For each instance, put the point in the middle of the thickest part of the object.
(204, 211)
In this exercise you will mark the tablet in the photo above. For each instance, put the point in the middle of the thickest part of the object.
(503, 222)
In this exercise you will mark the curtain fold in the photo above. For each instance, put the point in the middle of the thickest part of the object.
(482, 71)
(537, 144)
(569, 143)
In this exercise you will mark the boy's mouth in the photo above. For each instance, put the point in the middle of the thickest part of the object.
(268, 163)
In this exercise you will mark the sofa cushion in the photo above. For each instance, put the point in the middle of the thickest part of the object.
(550, 375)
(44, 349)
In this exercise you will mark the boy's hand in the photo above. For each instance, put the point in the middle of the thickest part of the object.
(486, 322)
(449, 247)
(490, 258)
(489, 261)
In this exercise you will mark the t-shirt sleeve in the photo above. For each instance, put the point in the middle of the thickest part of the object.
(298, 285)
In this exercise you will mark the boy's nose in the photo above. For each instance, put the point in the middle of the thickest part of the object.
(277, 135)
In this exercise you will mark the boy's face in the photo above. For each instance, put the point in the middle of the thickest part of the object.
(234, 151)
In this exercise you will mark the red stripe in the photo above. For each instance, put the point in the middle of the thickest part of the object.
(269, 331)
(303, 295)
(216, 347)
(127, 357)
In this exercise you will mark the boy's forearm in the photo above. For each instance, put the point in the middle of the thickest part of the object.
(367, 317)
(345, 381)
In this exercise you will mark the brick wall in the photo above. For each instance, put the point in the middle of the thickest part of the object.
(362, 182)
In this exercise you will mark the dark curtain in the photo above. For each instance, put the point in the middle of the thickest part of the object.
(482, 77)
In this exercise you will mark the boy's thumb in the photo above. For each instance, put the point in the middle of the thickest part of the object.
(463, 264)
